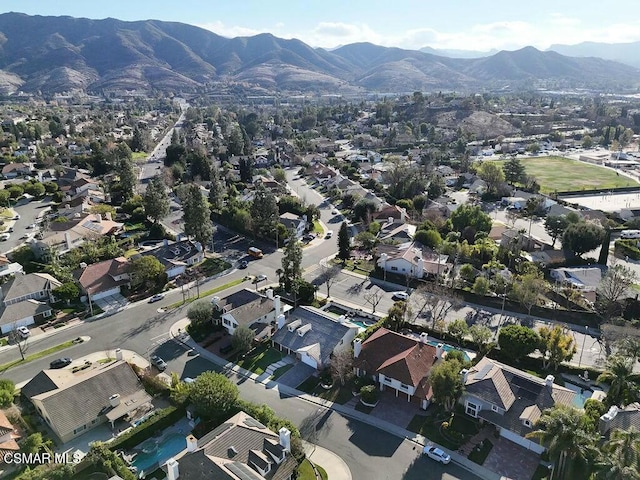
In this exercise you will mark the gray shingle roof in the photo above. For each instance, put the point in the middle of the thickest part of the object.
(325, 332)
(18, 311)
(85, 397)
(22, 285)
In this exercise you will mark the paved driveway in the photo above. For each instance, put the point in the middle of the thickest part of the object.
(111, 303)
(296, 375)
(396, 410)
(511, 460)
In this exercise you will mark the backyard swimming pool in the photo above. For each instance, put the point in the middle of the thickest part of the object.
(156, 451)
(582, 395)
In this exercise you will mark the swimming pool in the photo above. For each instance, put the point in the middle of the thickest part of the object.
(448, 348)
(582, 394)
(156, 451)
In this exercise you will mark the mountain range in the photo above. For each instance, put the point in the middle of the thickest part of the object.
(57, 54)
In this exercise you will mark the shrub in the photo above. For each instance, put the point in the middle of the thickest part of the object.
(145, 430)
(369, 394)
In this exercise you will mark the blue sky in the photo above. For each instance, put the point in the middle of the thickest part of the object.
(455, 24)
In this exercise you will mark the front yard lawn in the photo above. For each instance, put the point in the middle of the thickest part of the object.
(212, 266)
(281, 371)
(336, 394)
(259, 359)
(458, 432)
(317, 228)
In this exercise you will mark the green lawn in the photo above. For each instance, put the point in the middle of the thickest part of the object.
(281, 371)
(212, 266)
(317, 228)
(559, 174)
(35, 356)
(139, 156)
(461, 429)
(209, 292)
(305, 471)
(336, 394)
(258, 360)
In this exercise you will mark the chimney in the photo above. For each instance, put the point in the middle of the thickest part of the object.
(605, 420)
(165, 242)
(439, 350)
(464, 373)
(285, 439)
(83, 265)
(269, 293)
(357, 347)
(424, 337)
(173, 473)
(108, 216)
(276, 305)
(114, 400)
(67, 240)
(548, 381)
(118, 354)
(390, 220)
(192, 443)
(280, 321)
(98, 218)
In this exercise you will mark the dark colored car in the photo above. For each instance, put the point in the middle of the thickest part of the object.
(60, 362)
(243, 264)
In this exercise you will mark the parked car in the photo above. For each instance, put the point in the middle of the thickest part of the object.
(188, 380)
(159, 363)
(33, 225)
(243, 264)
(23, 331)
(260, 278)
(60, 362)
(400, 295)
(335, 212)
(16, 217)
(5, 236)
(329, 234)
(156, 298)
(437, 454)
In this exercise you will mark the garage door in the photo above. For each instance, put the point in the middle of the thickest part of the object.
(307, 360)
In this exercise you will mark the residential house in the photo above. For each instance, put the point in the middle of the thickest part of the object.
(396, 232)
(8, 437)
(7, 267)
(102, 279)
(74, 403)
(510, 399)
(399, 363)
(620, 418)
(391, 212)
(412, 259)
(61, 237)
(16, 169)
(313, 336)
(177, 256)
(585, 278)
(250, 309)
(26, 300)
(296, 224)
(241, 448)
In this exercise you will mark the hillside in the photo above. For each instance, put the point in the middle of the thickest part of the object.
(55, 54)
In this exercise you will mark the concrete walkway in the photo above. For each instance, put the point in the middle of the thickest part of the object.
(334, 465)
(177, 332)
(269, 371)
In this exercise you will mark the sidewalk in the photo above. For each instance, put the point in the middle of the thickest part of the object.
(178, 333)
(334, 465)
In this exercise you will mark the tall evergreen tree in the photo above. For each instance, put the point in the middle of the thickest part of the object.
(197, 220)
(264, 212)
(291, 271)
(344, 246)
(217, 191)
(156, 199)
(128, 178)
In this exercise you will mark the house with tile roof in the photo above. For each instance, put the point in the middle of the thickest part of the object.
(74, 403)
(250, 309)
(8, 437)
(103, 279)
(510, 399)
(620, 418)
(294, 223)
(399, 363)
(240, 449)
(313, 336)
(26, 299)
(412, 259)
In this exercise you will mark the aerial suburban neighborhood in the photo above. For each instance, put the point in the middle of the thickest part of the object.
(205, 279)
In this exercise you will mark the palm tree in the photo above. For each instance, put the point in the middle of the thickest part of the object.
(620, 456)
(623, 389)
(571, 448)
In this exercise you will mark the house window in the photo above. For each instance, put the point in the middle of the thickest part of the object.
(404, 387)
(527, 423)
(79, 429)
(227, 322)
(494, 408)
(395, 269)
(472, 409)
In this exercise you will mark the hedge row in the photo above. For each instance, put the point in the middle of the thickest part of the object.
(163, 419)
(628, 248)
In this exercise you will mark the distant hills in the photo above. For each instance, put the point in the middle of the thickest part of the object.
(56, 54)
(628, 53)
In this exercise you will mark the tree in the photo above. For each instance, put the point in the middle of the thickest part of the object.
(555, 225)
(344, 245)
(200, 312)
(342, 365)
(328, 276)
(517, 341)
(213, 394)
(620, 458)
(396, 315)
(527, 288)
(570, 447)
(428, 238)
(470, 216)
(128, 177)
(613, 289)
(514, 171)
(18, 340)
(242, 339)
(33, 443)
(492, 174)
(217, 192)
(197, 216)
(480, 335)
(373, 297)
(556, 346)
(582, 237)
(264, 213)
(156, 199)
(146, 271)
(458, 329)
(623, 387)
(587, 141)
(291, 264)
(366, 240)
(68, 292)
(434, 301)
(446, 383)
(481, 286)
(36, 189)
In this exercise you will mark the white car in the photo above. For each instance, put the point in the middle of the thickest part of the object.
(437, 454)
(400, 295)
(23, 331)
(5, 236)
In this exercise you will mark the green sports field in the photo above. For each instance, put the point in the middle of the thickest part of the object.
(559, 174)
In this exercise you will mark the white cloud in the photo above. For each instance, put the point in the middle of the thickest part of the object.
(232, 31)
